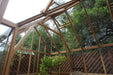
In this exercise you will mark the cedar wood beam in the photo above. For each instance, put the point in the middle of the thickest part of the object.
(84, 60)
(42, 40)
(97, 42)
(86, 48)
(8, 23)
(3, 5)
(110, 8)
(48, 12)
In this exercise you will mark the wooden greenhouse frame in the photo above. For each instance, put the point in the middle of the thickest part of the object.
(33, 22)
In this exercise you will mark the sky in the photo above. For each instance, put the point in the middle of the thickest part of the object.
(19, 10)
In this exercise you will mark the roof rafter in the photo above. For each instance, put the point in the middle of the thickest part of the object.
(68, 4)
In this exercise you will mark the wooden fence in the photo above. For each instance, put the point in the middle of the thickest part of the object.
(93, 63)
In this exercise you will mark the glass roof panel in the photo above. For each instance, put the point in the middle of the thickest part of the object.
(19, 10)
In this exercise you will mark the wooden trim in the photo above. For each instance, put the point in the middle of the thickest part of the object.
(73, 5)
(68, 73)
(65, 44)
(35, 51)
(110, 8)
(46, 19)
(39, 44)
(57, 23)
(45, 51)
(42, 40)
(38, 56)
(57, 12)
(10, 55)
(86, 48)
(56, 3)
(88, 73)
(64, 26)
(23, 30)
(53, 41)
(3, 5)
(8, 23)
(28, 25)
(84, 60)
(50, 29)
(49, 12)
(99, 49)
(19, 64)
(32, 41)
(49, 4)
(22, 39)
(29, 66)
(29, 74)
(34, 23)
(61, 73)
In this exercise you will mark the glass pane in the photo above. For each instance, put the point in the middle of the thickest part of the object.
(19, 10)
(5, 40)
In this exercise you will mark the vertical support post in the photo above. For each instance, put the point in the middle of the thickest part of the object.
(32, 40)
(32, 49)
(28, 73)
(111, 11)
(99, 49)
(56, 23)
(3, 5)
(84, 60)
(52, 40)
(10, 55)
(19, 61)
(45, 10)
(38, 56)
(45, 51)
(29, 67)
(66, 46)
(43, 40)
(22, 40)
(19, 64)
(3, 69)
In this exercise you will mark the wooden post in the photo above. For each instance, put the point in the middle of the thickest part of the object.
(69, 17)
(19, 64)
(10, 55)
(45, 10)
(32, 49)
(50, 29)
(22, 40)
(32, 41)
(3, 5)
(110, 8)
(29, 66)
(43, 40)
(38, 56)
(95, 39)
(86, 48)
(8, 23)
(45, 51)
(2, 71)
(19, 61)
(52, 41)
(57, 23)
(66, 46)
